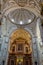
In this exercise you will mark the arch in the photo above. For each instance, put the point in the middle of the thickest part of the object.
(20, 47)
(20, 33)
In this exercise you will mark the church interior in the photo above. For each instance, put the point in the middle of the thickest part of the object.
(21, 32)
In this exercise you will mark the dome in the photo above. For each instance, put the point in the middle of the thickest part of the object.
(21, 16)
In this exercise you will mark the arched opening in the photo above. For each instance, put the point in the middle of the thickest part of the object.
(20, 50)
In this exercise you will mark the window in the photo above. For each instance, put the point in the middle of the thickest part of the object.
(20, 47)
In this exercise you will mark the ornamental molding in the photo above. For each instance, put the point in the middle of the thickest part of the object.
(31, 5)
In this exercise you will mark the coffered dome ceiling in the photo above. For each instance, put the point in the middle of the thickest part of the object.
(32, 5)
(21, 16)
(22, 12)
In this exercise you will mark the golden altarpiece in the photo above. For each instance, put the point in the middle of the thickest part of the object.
(20, 52)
